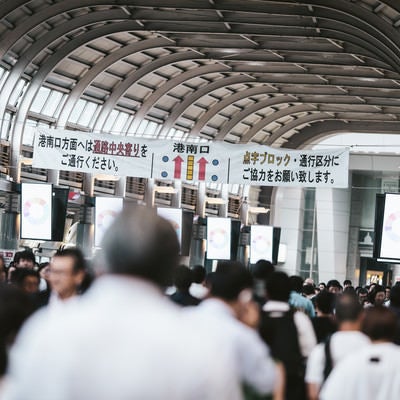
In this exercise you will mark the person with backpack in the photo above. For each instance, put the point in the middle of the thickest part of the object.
(348, 338)
(288, 333)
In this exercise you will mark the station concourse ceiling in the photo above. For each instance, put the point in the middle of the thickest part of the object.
(279, 73)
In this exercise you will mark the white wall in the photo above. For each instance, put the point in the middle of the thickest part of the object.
(333, 217)
(287, 214)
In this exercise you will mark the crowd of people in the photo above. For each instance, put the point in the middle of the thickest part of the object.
(136, 324)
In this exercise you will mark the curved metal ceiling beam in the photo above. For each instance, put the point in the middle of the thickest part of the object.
(79, 22)
(41, 75)
(241, 115)
(364, 41)
(225, 102)
(192, 98)
(326, 98)
(133, 77)
(367, 29)
(178, 80)
(392, 3)
(354, 15)
(179, 109)
(292, 125)
(9, 38)
(101, 66)
(42, 15)
(377, 26)
(325, 128)
(317, 116)
(274, 116)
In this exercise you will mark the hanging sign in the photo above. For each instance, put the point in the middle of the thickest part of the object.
(217, 162)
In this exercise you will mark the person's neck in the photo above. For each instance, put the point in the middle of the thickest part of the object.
(349, 326)
(67, 296)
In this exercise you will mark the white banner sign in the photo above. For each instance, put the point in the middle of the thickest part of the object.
(217, 162)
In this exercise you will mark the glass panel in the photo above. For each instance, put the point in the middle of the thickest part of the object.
(40, 100)
(119, 125)
(89, 111)
(52, 103)
(151, 129)
(77, 111)
(5, 126)
(4, 74)
(171, 133)
(178, 134)
(30, 129)
(142, 127)
(110, 121)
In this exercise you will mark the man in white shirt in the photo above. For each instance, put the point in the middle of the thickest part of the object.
(66, 273)
(230, 303)
(372, 373)
(123, 339)
(349, 314)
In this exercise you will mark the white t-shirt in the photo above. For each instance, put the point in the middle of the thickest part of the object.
(372, 373)
(121, 340)
(253, 361)
(342, 344)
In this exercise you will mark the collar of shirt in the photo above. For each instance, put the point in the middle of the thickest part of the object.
(273, 305)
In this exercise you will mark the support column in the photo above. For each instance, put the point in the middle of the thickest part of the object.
(287, 213)
(333, 218)
(9, 223)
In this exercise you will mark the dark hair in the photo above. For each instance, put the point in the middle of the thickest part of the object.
(143, 244)
(278, 286)
(325, 301)
(24, 255)
(262, 269)
(350, 290)
(347, 282)
(227, 265)
(20, 274)
(229, 282)
(308, 289)
(334, 283)
(374, 291)
(348, 308)
(380, 323)
(198, 274)
(395, 296)
(15, 307)
(182, 278)
(76, 254)
(296, 283)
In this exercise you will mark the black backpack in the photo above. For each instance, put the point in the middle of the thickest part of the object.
(279, 332)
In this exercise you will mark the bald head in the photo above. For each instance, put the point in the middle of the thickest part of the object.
(142, 244)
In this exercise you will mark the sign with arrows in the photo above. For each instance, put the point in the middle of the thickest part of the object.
(216, 162)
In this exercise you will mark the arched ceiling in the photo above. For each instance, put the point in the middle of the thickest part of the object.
(280, 73)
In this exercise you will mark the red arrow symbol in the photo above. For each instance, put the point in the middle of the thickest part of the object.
(202, 168)
(178, 167)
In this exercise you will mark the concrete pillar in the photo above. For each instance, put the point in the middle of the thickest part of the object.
(333, 218)
(287, 213)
